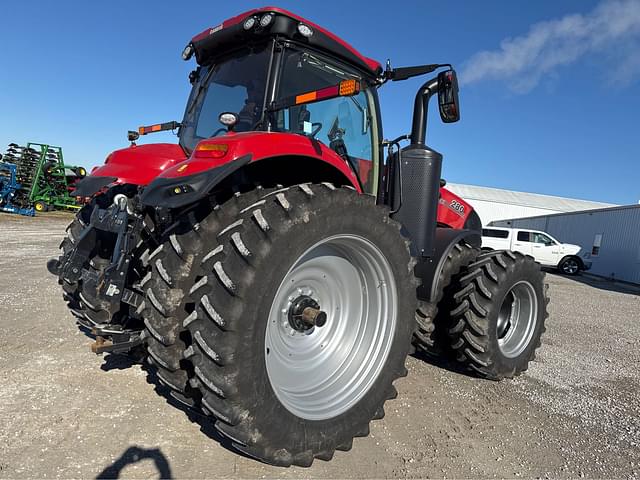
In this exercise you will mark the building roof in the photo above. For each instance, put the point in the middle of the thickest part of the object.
(525, 199)
(616, 208)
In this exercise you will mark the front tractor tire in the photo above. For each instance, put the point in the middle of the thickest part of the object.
(499, 314)
(71, 291)
(432, 318)
(302, 322)
(174, 267)
(83, 296)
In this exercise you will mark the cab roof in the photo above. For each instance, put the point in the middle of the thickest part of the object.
(231, 33)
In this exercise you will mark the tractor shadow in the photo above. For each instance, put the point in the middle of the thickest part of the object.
(443, 361)
(135, 454)
(114, 361)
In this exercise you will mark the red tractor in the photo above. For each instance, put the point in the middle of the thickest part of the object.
(275, 265)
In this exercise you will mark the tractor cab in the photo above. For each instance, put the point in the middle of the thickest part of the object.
(278, 80)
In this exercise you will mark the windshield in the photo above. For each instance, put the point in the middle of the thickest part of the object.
(236, 85)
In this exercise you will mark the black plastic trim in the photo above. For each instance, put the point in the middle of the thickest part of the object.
(207, 49)
(159, 193)
(91, 184)
(473, 222)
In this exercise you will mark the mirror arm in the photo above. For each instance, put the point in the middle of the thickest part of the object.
(420, 110)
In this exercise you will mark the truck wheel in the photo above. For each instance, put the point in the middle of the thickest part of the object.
(432, 318)
(174, 266)
(302, 322)
(501, 307)
(570, 266)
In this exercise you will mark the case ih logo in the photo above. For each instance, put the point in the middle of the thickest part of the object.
(215, 29)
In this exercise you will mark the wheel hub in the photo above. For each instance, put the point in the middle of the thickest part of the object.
(517, 319)
(570, 266)
(304, 314)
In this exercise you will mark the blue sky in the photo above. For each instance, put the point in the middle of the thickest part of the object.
(550, 95)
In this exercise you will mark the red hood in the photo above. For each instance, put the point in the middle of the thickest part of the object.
(140, 164)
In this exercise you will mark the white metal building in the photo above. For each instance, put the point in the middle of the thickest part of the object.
(497, 204)
(610, 235)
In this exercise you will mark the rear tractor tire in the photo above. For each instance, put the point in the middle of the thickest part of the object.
(499, 314)
(302, 322)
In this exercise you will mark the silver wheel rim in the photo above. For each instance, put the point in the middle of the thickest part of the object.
(517, 319)
(570, 266)
(322, 372)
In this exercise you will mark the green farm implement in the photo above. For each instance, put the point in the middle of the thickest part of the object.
(47, 183)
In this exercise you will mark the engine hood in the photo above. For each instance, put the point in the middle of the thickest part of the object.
(140, 164)
(570, 249)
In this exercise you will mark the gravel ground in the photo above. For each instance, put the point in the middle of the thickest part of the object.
(65, 412)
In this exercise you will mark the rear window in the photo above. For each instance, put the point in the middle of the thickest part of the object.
(524, 236)
(489, 232)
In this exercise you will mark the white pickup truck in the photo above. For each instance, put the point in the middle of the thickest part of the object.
(545, 249)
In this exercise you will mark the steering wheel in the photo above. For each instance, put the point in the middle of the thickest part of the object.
(220, 130)
(317, 126)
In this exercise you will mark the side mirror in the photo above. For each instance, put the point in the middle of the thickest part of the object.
(448, 101)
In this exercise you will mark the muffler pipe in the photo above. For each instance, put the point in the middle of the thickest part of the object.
(420, 111)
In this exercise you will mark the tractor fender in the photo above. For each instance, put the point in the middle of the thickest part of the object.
(175, 192)
(445, 240)
(196, 176)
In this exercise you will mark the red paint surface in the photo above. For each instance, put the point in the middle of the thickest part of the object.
(261, 146)
(371, 63)
(140, 164)
(447, 214)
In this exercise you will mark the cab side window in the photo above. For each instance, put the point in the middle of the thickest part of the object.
(524, 236)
